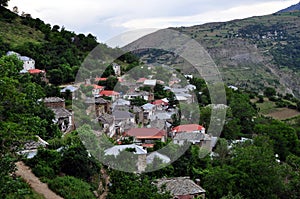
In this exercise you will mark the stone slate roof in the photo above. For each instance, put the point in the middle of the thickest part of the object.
(106, 119)
(180, 186)
(70, 88)
(61, 113)
(115, 150)
(120, 115)
(150, 157)
(53, 99)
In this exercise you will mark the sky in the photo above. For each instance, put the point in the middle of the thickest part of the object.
(107, 19)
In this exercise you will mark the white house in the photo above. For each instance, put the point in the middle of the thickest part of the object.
(28, 63)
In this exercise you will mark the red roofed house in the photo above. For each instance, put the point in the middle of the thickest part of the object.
(147, 136)
(160, 104)
(109, 93)
(192, 133)
(141, 80)
(98, 79)
(187, 128)
(35, 71)
(97, 89)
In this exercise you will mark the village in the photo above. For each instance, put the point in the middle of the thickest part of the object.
(135, 120)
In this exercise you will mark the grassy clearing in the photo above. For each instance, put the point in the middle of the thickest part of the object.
(284, 113)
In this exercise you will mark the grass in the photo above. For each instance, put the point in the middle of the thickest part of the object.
(266, 107)
(17, 34)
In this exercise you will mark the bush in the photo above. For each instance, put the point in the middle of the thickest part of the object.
(42, 170)
(71, 188)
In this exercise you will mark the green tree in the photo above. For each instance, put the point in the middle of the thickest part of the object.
(269, 92)
(4, 3)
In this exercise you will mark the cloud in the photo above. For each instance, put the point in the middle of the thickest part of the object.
(108, 18)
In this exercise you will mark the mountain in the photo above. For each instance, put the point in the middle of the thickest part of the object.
(292, 8)
(250, 53)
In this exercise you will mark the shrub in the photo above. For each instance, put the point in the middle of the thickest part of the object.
(71, 188)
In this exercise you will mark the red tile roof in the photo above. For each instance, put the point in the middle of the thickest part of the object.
(146, 133)
(108, 93)
(36, 71)
(97, 79)
(159, 102)
(188, 128)
(148, 145)
(97, 86)
(141, 80)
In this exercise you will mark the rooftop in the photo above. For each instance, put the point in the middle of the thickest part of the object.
(115, 150)
(180, 186)
(146, 133)
(188, 128)
(53, 99)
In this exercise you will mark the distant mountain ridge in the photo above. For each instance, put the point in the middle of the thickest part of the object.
(292, 8)
(251, 53)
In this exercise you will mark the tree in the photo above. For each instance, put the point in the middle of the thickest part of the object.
(270, 92)
(4, 3)
(284, 136)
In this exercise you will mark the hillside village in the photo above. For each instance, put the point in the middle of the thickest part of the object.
(140, 128)
(143, 117)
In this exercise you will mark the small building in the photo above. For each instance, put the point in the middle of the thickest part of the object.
(163, 158)
(188, 128)
(54, 102)
(117, 69)
(150, 82)
(30, 148)
(71, 88)
(63, 117)
(149, 110)
(28, 63)
(181, 188)
(110, 93)
(146, 135)
(107, 124)
(137, 150)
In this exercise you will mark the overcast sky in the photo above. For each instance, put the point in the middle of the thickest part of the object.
(108, 18)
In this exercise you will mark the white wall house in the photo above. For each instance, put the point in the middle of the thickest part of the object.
(28, 63)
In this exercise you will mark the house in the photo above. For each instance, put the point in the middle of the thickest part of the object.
(123, 116)
(107, 124)
(54, 102)
(28, 63)
(134, 94)
(102, 106)
(109, 93)
(137, 150)
(181, 188)
(150, 82)
(141, 80)
(97, 89)
(149, 110)
(160, 104)
(30, 148)
(63, 117)
(182, 138)
(139, 114)
(121, 104)
(163, 158)
(233, 87)
(188, 128)
(147, 135)
(117, 69)
(71, 88)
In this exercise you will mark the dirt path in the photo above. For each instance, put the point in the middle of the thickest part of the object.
(104, 187)
(42, 188)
